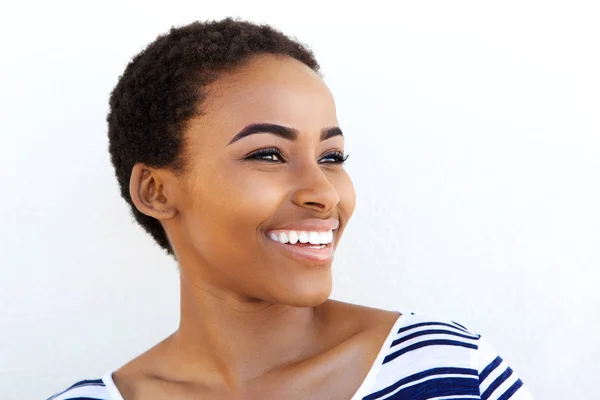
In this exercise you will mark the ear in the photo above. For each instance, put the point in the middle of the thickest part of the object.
(147, 188)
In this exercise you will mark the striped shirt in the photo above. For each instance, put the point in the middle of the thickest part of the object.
(423, 358)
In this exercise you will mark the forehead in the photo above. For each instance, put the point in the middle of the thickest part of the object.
(267, 88)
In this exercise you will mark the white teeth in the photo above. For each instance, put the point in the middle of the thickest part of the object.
(313, 238)
(283, 237)
(303, 237)
(323, 237)
(293, 237)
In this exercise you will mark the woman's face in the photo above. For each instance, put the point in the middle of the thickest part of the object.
(264, 167)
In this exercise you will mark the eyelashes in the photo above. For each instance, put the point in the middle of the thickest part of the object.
(336, 156)
(273, 155)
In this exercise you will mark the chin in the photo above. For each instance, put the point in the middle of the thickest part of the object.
(303, 302)
(307, 295)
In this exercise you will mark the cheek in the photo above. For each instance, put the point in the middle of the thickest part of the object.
(258, 194)
(221, 225)
(232, 205)
(345, 188)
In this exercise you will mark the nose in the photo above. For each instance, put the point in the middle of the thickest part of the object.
(314, 190)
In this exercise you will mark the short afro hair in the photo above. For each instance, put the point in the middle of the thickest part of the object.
(162, 87)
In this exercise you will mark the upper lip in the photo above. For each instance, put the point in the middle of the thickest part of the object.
(311, 224)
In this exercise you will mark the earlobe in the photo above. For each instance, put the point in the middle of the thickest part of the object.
(146, 192)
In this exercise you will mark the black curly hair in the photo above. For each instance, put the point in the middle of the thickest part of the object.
(162, 87)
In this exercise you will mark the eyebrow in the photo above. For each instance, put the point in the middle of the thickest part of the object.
(282, 131)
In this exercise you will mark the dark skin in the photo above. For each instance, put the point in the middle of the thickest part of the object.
(256, 322)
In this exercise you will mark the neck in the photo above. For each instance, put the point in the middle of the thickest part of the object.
(229, 341)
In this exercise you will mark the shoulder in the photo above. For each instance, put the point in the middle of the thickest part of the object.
(419, 320)
(85, 389)
(433, 338)
(432, 354)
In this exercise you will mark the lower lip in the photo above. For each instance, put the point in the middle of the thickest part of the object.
(318, 256)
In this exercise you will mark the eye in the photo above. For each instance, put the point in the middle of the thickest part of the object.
(335, 157)
(270, 154)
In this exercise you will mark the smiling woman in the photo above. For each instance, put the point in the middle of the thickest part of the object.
(227, 147)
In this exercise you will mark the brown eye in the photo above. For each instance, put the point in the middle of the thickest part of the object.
(270, 155)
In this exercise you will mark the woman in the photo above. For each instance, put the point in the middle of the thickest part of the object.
(226, 145)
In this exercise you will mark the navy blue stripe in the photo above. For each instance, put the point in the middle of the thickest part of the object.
(421, 375)
(406, 328)
(438, 387)
(83, 398)
(488, 370)
(462, 326)
(434, 342)
(508, 394)
(497, 382)
(86, 382)
(431, 332)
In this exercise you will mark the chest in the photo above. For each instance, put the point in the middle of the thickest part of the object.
(335, 375)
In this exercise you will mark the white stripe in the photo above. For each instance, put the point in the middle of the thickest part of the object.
(429, 327)
(425, 338)
(503, 387)
(492, 376)
(88, 390)
(415, 362)
(111, 387)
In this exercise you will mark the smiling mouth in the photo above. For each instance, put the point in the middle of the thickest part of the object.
(313, 246)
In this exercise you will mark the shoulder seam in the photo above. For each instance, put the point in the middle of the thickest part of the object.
(87, 382)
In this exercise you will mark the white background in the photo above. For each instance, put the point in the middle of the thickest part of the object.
(474, 137)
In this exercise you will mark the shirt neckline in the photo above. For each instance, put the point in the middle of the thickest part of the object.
(111, 387)
(371, 377)
(376, 367)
